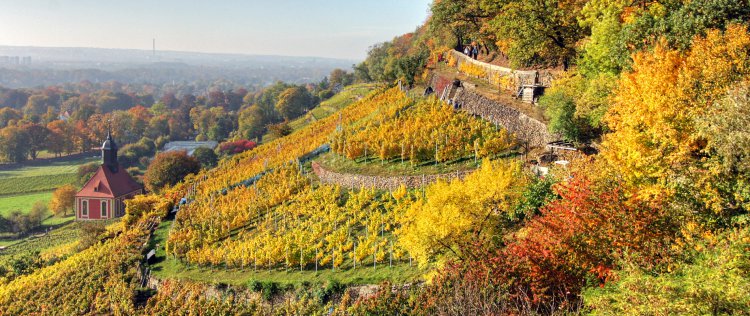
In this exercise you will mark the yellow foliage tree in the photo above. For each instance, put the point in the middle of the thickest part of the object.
(654, 143)
(460, 213)
(63, 200)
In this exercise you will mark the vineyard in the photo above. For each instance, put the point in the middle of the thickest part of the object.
(426, 130)
(283, 219)
(287, 149)
(296, 226)
(98, 280)
(29, 254)
(262, 213)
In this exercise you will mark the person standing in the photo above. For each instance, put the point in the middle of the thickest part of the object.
(467, 51)
(475, 51)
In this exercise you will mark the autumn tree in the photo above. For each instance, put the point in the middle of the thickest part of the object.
(584, 235)
(236, 147)
(293, 102)
(85, 172)
(38, 138)
(8, 115)
(252, 123)
(14, 143)
(63, 200)
(340, 77)
(537, 32)
(169, 168)
(36, 105)
(460, 213)
(654, 140)
(463, 19)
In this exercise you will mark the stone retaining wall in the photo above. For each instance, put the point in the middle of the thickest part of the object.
(356, 181)
(525, 127)
(492, 72)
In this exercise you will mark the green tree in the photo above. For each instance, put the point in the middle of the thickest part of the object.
(293, 102)
(252, 122)
(168, 169)
(206, 156)
(678, 22)
(560, 107)
(38, 213)
(538, 32)
(605, 51)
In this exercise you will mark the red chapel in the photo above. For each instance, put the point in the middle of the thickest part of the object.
(103, 195)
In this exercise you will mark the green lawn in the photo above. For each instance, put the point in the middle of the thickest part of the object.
(39, 178)
(22, 202)
(172, 268)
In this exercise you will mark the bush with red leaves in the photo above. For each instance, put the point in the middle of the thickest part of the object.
(236, 147)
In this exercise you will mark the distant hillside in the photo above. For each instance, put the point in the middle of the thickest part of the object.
(56, 65)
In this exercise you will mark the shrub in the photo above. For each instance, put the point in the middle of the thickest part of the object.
(236, 147)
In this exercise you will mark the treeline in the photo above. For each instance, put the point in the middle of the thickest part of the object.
(63, 122)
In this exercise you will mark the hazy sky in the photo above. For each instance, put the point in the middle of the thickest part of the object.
(325, 28)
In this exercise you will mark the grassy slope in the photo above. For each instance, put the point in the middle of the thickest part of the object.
(22, 202)
(171, 268)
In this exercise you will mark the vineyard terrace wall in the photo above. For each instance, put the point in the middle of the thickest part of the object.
(357, 181)
(525, 128)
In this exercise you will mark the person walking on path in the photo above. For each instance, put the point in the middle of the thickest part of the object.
(475, 51)
(467, 51)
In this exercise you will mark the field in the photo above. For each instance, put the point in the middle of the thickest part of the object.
(39, 178)
(20, 188)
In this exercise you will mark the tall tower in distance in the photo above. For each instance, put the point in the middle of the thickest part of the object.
(154, 47)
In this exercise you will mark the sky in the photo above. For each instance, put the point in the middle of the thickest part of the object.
(321, 28)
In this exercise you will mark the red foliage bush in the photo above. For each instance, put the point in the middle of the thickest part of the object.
(582, 236)
(576, 240)
(237, 146)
